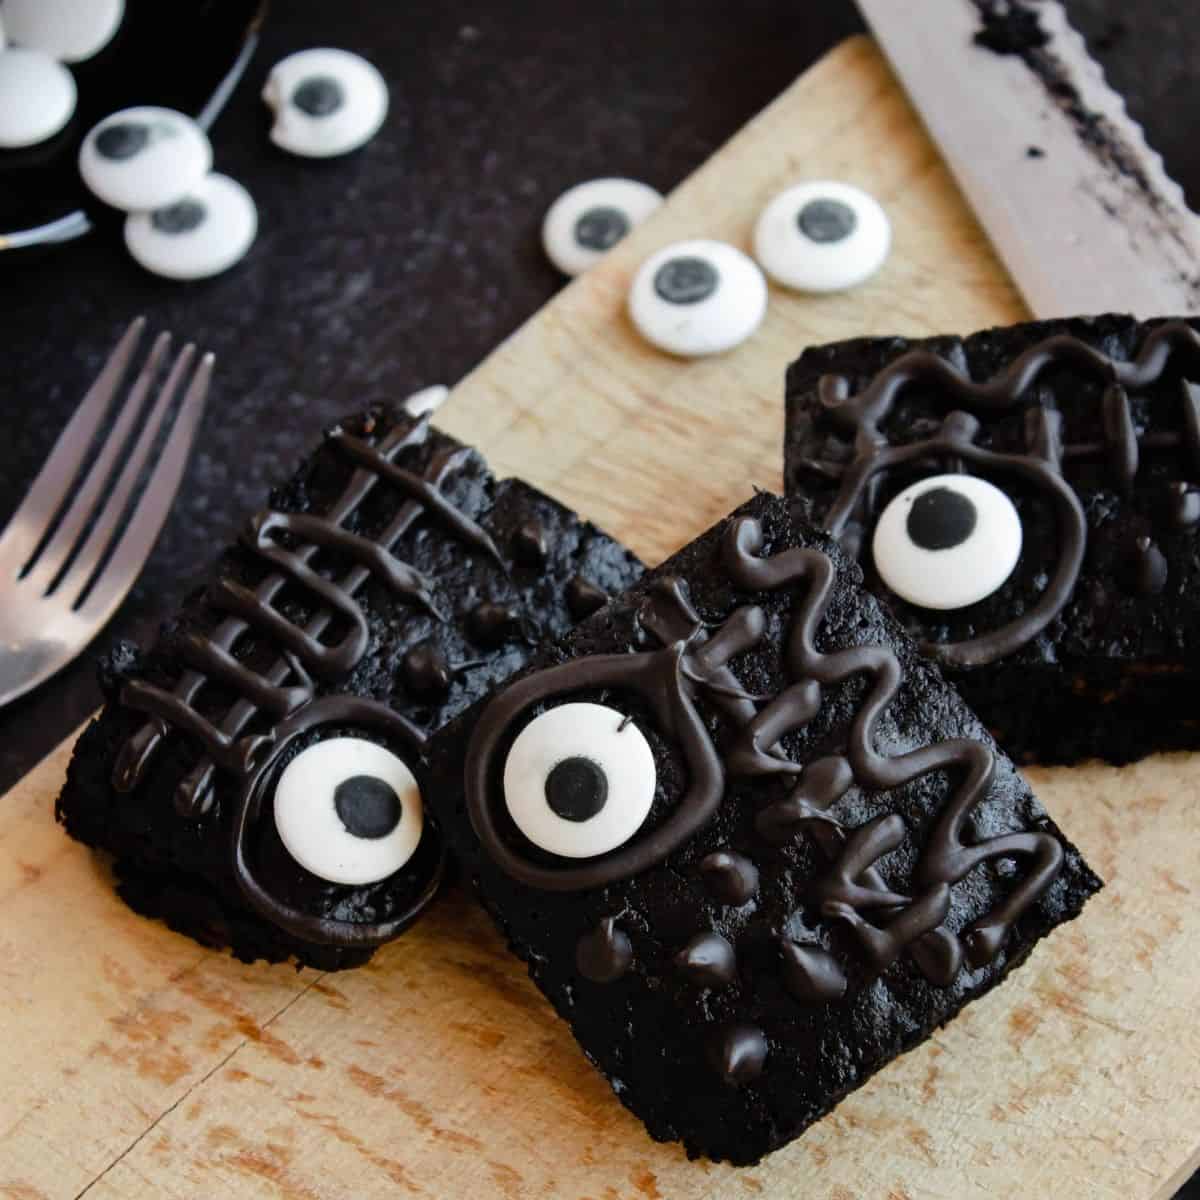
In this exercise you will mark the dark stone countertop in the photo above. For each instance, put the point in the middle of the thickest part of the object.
(406, 264)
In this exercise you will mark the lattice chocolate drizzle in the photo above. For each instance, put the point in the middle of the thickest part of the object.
(302, 654)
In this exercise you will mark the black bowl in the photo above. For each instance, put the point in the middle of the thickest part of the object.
(177, 54)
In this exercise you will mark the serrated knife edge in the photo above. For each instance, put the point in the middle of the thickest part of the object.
(1085, 228)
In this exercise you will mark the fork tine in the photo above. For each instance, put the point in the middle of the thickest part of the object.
(122, 568)
(28, 524)
(57, 551)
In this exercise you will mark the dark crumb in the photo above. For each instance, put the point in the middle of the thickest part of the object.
(1009, 28)
(1035, 152)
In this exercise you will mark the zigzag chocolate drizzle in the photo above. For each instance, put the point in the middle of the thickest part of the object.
(300, 648)
(946, 858)
(694, 662)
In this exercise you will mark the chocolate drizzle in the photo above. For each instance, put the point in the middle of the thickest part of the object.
(693, 663)
(301, 648)
(861, 416)
(285, 692)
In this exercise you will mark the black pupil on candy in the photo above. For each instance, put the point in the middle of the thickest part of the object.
(826, 220)
(181, 217)
(576, 788)
(122, 140)
(367, 806)
(686, 280)
(940, 519)
(319, 95)
(601, 228)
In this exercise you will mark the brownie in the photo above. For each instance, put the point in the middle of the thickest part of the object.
(750, 843)
(1090, 646)
(387, 585)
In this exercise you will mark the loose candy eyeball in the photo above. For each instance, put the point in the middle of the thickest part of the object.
(947, 541)
(822, 236)
(698, 297)
(68, 30)
(37, 97)
(204, 233)
(142, 159)
(589, 219)
(326, 102)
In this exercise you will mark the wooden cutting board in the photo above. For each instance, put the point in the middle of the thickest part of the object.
(133, 1063)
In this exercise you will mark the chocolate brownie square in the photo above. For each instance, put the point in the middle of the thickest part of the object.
(255, 774)
(750, 843)
(1027, 503)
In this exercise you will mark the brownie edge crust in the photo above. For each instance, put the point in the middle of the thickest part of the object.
(833, 857)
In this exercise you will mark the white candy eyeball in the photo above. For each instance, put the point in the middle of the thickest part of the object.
(822, 237)
(590, 218)
(947, 541)
(348, 811)
(69, 30)
(326, 102)
(579, 780)
(205, 233)
(427, 400)
(142, 159)
(37, 97)
(696, 298)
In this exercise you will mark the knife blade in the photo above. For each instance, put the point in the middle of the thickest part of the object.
(1077, 205)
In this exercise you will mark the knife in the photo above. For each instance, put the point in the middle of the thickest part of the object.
(1075, 202)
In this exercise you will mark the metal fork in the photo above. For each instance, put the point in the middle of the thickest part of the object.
(79, 539)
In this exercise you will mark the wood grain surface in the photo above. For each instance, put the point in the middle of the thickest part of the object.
(134, 1063)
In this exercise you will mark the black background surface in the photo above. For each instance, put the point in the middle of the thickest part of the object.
(406, 264)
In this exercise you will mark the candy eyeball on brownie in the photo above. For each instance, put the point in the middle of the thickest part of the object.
(947, 541)
(326, 102)
(203, 233)
(37, 97)
(349, 811)
(698, 297)
(822, 236)
(587, 220)
(579, 780)
(145, 158)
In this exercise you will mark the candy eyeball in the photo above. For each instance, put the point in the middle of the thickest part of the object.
(589, 219)
(142, 159)
(822, 236)
(326, 102)
(696, 298)
(348, 811)
(427, 400)
(947, 541)
(204, 233)
(37, 97)
(68, 30)
(579, 780)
